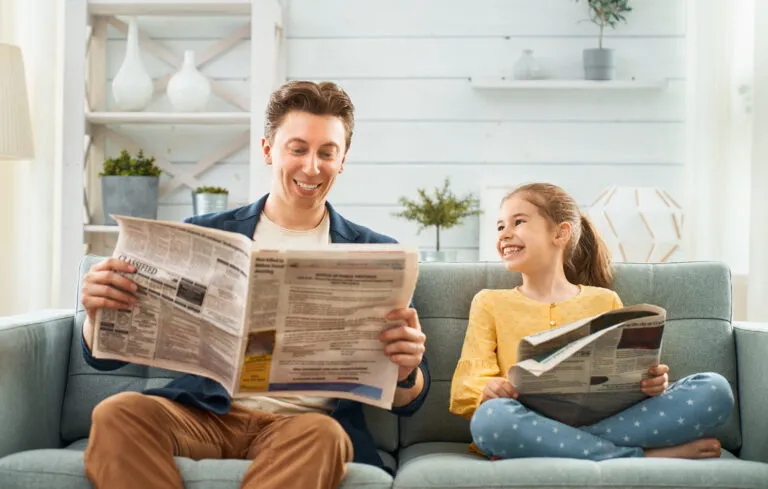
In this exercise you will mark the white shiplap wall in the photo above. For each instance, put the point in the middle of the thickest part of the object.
(407, 64)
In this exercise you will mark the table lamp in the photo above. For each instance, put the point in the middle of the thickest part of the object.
(639, 224)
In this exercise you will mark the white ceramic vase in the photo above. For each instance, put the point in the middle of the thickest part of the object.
(132, 87)
(188, 89)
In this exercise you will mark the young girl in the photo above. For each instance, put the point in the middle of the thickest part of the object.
(566, 273)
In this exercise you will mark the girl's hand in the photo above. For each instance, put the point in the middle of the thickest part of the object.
(499, 387)
(659, 383)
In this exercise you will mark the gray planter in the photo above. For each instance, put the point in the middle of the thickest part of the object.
(598, 64)
(207, 203)
(129, 196)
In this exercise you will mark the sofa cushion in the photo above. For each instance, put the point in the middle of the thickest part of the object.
(426, 449)
(86, 387)
(63, 469)
(389, 460)
(449, 465)
(698, 337)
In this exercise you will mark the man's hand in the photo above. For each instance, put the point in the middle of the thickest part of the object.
(499, 387)
(404, 344)
(104, 288)
(659, 382)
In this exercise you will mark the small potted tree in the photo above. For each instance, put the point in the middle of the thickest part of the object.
(129, 186)
(598, 62)
(442, 209)
(209, 199)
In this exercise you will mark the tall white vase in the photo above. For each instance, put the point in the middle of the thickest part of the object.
(188, 89)
(132, 88)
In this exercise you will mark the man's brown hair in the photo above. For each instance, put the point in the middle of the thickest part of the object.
(324, 98)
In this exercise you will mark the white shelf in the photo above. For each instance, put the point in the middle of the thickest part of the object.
(169, 7)
(107, 118)
(93, 228)
(497, 83)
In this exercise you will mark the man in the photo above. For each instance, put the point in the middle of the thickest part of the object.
(302, 442)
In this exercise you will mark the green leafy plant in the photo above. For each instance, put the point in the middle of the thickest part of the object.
(211, 190)
(607, 13)
(127, 166)
(442, 209)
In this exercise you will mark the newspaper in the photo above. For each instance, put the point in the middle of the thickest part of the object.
(259, 321)
(586, 371)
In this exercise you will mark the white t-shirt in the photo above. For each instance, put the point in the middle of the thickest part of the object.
(270, 234)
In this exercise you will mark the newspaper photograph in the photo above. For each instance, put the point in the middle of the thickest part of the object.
(277, 322)
(583, 372)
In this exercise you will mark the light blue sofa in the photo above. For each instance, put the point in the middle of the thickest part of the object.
(47, 393)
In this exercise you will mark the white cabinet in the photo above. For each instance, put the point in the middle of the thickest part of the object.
(238, 45)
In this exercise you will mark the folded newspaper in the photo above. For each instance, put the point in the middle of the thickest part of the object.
(586, 371)
(259, 321)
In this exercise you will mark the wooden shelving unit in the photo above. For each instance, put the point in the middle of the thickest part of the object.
(99, 229)
(116, 118)
(170, 7)
(87, 124)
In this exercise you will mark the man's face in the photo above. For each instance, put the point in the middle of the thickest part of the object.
(307, 153)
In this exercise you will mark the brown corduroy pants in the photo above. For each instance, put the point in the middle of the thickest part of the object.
(134, 438)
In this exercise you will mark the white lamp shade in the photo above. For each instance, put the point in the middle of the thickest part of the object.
(639, 224)
(15, 125)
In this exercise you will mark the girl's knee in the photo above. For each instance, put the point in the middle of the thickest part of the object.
(721, 392)
(716, 395)
(718, 390)
(492, 420)
(496, 409)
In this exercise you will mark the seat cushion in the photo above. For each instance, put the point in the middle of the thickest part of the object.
(449, 465)
(63, 469)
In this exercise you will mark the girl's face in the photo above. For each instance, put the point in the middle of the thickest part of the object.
(526, 240)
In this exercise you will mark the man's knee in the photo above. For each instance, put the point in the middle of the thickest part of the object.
(324, 430)
(119, 409)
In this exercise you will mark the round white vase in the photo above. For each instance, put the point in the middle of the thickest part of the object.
(188, 89)
(132, 87)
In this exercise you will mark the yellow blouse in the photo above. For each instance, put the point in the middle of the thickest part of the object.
(498, 320)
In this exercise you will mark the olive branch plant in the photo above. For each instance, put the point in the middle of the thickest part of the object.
(442, 209)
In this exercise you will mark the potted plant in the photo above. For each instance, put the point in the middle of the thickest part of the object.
(599, 62)
(442, 209)
(129, 186)
(209, 199)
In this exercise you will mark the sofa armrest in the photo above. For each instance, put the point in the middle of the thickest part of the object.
(751, 348)
(34, 359)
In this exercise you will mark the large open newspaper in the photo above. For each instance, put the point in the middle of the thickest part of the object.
(583, 372)
(259, 321)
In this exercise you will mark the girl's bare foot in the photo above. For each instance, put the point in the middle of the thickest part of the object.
(704, 448)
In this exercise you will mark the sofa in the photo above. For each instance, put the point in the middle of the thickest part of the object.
(47, 393)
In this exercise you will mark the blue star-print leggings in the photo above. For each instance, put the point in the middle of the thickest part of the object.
(687, 411)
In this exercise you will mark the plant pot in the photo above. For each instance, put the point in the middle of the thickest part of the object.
(599, 64)
(204, 203)
(129, 196)
(438, 256)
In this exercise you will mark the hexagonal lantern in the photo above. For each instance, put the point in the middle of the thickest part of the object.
(639, 224)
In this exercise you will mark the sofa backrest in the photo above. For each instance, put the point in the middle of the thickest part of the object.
(697, 297)
(698, 336)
